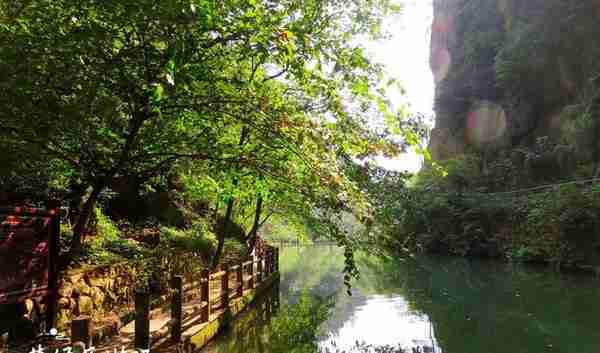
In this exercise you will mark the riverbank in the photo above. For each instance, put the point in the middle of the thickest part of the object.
(461, 211)
(559, 226)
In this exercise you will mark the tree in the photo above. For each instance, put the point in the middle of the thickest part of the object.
(112, 89)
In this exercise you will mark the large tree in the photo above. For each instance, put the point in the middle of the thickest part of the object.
(110, 89)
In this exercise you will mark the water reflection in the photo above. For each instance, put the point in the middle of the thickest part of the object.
(495, 307)
(372, 318)
(247, 333)
(425, 304)
(384, 321)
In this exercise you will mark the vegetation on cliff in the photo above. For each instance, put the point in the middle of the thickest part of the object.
(517, 103)
(533, 64)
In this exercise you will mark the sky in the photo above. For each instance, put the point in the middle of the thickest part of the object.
(406, 57)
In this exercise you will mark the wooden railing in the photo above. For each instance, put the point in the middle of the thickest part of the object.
(216, 291)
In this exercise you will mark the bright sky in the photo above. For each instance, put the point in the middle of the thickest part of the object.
(406, 57)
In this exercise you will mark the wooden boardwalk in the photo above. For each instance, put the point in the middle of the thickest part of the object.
(198, 308)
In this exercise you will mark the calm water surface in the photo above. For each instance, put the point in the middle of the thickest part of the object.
(447, 305)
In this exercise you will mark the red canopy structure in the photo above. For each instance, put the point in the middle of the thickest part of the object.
(29, 256)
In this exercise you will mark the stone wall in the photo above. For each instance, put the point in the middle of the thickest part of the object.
(104, 293)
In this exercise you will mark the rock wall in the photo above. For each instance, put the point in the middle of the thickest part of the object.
(506, 71)
(105, 293)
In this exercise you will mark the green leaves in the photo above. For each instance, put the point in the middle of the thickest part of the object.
(157, 92)
(360, 87)
(150, 88)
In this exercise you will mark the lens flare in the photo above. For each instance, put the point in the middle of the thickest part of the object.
(441, 26)
(440, 64)
(440, 56)
(486, 123)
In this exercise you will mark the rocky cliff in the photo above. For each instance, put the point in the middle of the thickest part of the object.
(509, 72)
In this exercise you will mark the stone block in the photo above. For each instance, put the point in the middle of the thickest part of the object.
(96, 281)
(98, 297)
(64, 303)
(74, 277)
(63, 320)
(85, 305)
(82, 289)
(29, 307)
(65, 289)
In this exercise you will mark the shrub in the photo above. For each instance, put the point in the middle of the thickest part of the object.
(481, 25)
(557, 225)
(107, 245)
(198, 239)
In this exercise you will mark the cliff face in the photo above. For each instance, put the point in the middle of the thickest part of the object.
(508, 72)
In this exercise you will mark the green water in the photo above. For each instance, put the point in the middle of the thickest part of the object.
(448, 305)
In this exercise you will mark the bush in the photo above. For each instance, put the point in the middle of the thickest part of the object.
(107, 245)
(297, 327)
(482, 28)
(462, 171)
(198, 239)
(559, 225)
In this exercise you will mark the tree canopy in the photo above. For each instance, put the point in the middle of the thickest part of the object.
(247, 99)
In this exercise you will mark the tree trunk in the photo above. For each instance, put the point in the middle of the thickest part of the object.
(82, 221)
(222, 231)
(255, 226)
(225, 229)
(596, 133)
(216, 214)
(595, 111)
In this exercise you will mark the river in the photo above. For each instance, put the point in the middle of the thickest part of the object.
(439, 304)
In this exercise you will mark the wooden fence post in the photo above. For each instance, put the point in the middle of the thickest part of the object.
(225, 287)
(205, 294)
(240, 280)
(81, 330)
(53, 275)
(176, 307)
(267, 262)
(142, 320)
(251, 274)
(269, 308)
(259, 270)
(276, 296)
(271, 260)
(276, 260)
